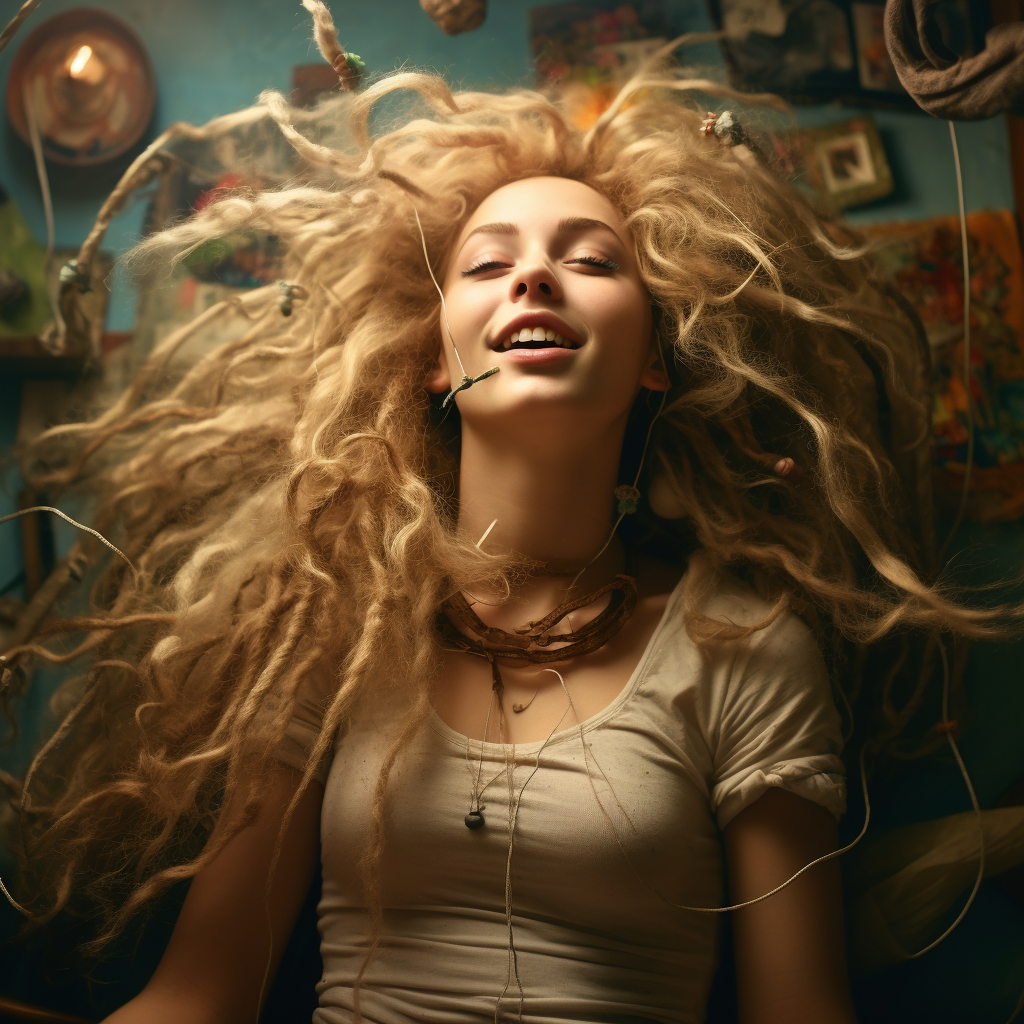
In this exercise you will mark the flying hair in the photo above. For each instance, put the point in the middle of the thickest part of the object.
(287, 497)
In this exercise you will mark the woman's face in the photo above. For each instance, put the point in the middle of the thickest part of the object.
(542, 282)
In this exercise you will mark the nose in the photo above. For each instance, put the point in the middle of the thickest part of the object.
(534, 279)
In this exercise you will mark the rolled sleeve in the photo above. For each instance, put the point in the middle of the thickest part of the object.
(775, 724)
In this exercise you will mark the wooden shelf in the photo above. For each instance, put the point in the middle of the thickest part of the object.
(25, 357)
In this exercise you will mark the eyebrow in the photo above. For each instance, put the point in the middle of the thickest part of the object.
(566, 225)
(498, 228)
(569, 224)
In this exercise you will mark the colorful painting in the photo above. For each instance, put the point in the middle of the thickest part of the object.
(924, 258)
(587, 50)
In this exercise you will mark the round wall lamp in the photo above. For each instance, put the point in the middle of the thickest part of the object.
(88, 81)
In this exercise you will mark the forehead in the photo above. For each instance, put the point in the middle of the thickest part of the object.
(539, 200)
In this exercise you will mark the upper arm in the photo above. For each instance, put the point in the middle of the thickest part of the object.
(232, 931)
(790, 953)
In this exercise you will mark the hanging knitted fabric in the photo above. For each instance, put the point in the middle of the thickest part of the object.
(944, 84)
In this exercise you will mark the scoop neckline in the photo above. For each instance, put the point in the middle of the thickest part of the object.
(622, 697)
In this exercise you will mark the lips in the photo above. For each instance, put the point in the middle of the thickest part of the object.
(538, 330)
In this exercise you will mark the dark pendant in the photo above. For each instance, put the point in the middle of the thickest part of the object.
(474, 820)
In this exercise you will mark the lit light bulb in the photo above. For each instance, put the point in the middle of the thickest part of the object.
(80, 59)
(82, 94)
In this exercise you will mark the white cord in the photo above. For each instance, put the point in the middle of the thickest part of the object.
(965, 492)
(841, 850)
(15, 23)
(13, 902)
(430, 271)
(622, 515)
(948, 726)
(44, 188)
(513, 816)
(74, 522)
(487, 533)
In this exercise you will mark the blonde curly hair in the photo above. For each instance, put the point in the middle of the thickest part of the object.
(288, 497)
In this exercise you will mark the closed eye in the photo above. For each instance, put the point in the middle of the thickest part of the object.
(480, 268)
(595, 261)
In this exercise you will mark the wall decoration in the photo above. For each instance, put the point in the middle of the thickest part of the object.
(586, 50)
(837, 165)
(875, 69)
(25, 310)
(87, 80)
(924, 258)
(827, 50)
(845, 162)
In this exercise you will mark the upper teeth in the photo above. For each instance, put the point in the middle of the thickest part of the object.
(536, 334)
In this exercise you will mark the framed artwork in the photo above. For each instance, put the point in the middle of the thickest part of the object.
(924, 259)
(815, 51)
(838, 165)
(844, 163)
(586, 50)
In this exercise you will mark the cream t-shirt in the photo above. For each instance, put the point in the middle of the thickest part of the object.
(618, 818)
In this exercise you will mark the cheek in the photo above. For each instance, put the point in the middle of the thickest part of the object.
(622, 320)
(468, 310)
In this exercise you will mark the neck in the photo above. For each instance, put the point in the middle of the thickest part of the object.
(552, 497)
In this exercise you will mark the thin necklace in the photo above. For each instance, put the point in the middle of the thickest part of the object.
(531, 643)
(474, 819)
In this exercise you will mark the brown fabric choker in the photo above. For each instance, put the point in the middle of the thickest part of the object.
(532, 641)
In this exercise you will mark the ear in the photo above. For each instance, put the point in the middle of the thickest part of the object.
(654, 376)
(438, 380)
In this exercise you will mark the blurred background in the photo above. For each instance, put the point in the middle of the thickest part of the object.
(95, 85)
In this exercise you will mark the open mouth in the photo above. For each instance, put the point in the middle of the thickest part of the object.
(535, 337)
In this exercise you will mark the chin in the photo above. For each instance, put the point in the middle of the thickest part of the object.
(543, 401)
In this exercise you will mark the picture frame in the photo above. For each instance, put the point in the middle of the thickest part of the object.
(846, 162)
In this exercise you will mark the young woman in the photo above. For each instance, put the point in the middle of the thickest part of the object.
(398, 628)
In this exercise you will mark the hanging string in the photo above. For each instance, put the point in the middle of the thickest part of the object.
(74, 522)
(624, 507)
(467, 381)
(103, 540)
(487, 533)
(15, 23)
(13, 902)
(969, 464)
(947, 726)
(513, 817)
(44, 189)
